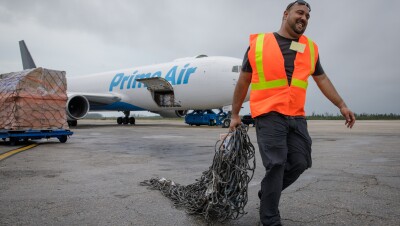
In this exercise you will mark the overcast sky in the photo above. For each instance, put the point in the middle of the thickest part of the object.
(357, 39)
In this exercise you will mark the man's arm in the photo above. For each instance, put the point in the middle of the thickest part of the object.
(327, 88)
(239, 95)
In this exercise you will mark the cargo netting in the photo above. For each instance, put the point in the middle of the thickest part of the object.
(220, 194)
(33, 99)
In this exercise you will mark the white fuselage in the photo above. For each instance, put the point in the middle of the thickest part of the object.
(198, 83)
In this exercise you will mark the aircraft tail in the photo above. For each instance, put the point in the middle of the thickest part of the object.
(27, 60)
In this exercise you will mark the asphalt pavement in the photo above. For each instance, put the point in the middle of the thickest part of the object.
(93, 178)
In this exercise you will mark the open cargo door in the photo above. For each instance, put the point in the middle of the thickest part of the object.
(161, 91)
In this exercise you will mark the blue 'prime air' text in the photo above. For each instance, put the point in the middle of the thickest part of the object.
(129, 81)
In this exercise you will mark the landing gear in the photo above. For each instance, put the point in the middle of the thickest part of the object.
(132, 120)
(126, 119)
(72, 123)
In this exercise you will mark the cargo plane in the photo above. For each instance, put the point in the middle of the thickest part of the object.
(169, 89)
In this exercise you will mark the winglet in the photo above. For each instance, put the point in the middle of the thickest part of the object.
(27, 61)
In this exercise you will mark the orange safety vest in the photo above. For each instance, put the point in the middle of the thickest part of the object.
(270, 90)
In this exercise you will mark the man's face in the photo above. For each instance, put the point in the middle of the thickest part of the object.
(297, 18)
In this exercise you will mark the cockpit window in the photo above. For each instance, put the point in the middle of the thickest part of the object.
(236, 68)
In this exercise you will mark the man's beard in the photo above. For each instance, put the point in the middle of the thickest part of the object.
(301, 30)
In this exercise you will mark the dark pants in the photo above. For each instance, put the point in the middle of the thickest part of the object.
(285, 148)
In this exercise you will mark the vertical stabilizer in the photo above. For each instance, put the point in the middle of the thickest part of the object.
(27, 61)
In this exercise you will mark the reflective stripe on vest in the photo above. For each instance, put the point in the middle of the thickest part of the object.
(312, 53)
(263, 83)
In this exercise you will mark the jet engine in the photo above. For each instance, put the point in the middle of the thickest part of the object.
(77, 107)
(172, 113)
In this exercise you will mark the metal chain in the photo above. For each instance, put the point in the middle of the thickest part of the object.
(220, 193)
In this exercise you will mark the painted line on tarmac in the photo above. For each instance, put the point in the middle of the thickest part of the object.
(16, 151)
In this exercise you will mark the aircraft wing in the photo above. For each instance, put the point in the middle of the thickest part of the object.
(98, 98)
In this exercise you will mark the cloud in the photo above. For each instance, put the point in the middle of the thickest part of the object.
(357, 40)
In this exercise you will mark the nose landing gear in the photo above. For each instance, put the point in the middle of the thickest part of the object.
(125, 120)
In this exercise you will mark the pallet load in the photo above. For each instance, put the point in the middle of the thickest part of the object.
(33, 99)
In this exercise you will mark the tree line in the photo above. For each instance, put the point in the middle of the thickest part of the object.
(362, 116)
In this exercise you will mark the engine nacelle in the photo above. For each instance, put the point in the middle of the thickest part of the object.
(172, 113)
(77, 107)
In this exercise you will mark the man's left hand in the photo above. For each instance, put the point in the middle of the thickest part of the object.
(349, 115)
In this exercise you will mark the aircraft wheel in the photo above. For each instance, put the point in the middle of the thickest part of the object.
(119, 120)
(125, 120)
(132, 120)
(226, 123)
(72, 123)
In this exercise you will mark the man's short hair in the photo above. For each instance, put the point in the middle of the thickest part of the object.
(300, 2)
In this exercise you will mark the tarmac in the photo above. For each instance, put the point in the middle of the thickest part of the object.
(93, 178)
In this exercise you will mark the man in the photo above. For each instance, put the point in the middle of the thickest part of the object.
(276, 67)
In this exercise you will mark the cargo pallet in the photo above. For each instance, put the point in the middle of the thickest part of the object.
(15, 136)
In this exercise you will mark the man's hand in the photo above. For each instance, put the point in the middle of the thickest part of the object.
(239, 95)
(349, 115)
(235, 122)
(327, 88)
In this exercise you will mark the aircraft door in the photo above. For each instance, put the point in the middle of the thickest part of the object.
(161, 91)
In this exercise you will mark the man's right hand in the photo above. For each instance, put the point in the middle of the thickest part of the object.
(235, 122)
